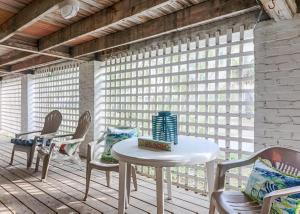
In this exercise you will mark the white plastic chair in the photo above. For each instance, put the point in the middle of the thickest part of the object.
(93, 162)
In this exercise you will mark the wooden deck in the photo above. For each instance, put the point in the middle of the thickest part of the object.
(21, 191)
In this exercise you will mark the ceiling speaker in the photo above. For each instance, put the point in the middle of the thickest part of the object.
(69, 9)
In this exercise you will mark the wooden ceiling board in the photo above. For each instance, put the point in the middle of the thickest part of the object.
(82, 39)
(39, 29)
(4, 51)
(5, 15)
(53, 21)
(13, 5)
(153, 13)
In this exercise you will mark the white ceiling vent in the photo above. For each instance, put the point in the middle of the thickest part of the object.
(69, 9)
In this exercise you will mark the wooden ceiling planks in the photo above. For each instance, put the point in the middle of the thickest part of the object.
(13, 6)
(36, 40)
(4, 52)
(39, 29)
(56, 22)
(190, 16)
(4, 15)
(100, 21)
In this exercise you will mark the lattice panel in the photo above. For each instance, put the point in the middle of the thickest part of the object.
(11, 105)
(57, 88)
(207, 81)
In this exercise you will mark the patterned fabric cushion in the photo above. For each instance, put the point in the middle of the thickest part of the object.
(22, 142)
(265, 179)
(29, 142)
(68, 149)
(113, 136)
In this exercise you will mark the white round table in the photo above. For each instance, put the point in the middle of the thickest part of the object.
(189, 151)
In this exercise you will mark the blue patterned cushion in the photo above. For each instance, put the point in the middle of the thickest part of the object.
(113, 136)
(22, 142)
(29, 142)
(265, 179)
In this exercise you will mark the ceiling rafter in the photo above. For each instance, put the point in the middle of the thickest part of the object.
(115, 14)
(16, 57)
(19, 46)
(34, 63)
(26, 16)
(40, 53)
(194, 15)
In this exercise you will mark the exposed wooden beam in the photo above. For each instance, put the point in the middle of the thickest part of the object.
(3, 71)
(35, 62)
(115, 14)
(201, 13)
(27, 16)
(15, 58)
(19, 46)
(280, 9)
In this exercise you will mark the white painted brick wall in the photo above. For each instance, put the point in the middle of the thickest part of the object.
(24, 103)
(277, 84)
(86, 98)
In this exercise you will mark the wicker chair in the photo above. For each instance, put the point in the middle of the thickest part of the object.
(226, 202)
(51, 125)
(92, 163)
(77, 138)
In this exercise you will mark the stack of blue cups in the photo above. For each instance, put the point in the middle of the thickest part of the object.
(164, 127)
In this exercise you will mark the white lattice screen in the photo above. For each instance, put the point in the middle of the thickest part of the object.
(208, 81)
(11, 105)
(57, 88)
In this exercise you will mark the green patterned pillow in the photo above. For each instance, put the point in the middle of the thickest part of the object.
(265, 179)
(115, 135)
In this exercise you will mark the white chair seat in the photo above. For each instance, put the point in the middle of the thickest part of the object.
(104, 164)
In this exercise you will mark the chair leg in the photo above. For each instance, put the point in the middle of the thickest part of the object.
(37, 163)
(88, 180)
(134, 180)
(212, 207)
(28, 159)
(12, 156)
(30, 156)
(169, 183)
(46, 163)
(108, 178)
(77, 160)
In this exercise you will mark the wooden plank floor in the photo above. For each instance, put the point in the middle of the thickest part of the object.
(21, 190)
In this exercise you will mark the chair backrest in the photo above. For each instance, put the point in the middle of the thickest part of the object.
(52, 122)
(83, 125)
(285, 160)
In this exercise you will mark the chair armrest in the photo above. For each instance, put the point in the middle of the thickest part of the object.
(27, 133)
(63, 135)
(102, 138)
(79, 140)
(47, 136)
(223, 167)
(90, 151)
(91, 146)
(269, 198)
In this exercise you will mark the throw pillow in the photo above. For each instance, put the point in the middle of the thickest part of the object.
(113, 136)
(265, 179)
(68, 149)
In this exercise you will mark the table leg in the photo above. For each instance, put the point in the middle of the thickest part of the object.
(122, 187)
(159, 190)
(210, 170)
(128, 183)
(169, 183)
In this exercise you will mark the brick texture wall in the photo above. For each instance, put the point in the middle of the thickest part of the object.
(86, 99)
(277, 84)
